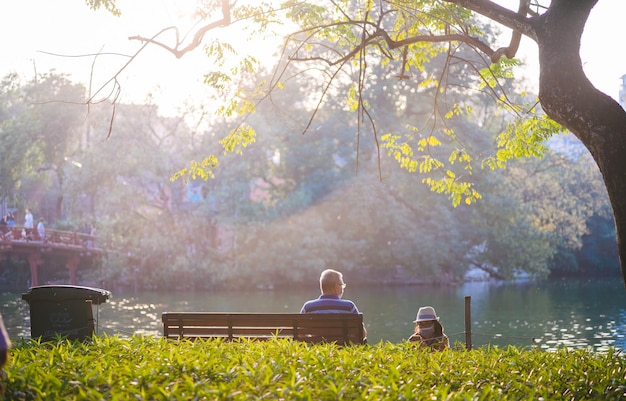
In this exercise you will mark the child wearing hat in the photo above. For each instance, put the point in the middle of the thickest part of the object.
(428, 330)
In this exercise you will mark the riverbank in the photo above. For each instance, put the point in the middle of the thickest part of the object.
(152, 368)
(547, 315)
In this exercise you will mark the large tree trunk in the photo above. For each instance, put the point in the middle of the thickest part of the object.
(569, 98)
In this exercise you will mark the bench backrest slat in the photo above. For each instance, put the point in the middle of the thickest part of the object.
(342, 328)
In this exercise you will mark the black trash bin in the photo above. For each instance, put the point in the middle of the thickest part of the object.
(64, 310)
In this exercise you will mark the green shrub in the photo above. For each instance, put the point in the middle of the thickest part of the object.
(152, 368)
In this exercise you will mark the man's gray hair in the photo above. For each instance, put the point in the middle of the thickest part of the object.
(329, 279)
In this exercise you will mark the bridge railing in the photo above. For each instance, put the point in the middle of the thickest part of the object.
(55, 237)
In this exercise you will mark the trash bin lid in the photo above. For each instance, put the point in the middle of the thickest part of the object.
(57, 293)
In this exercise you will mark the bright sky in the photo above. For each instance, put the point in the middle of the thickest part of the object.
(601, 52)
(67, 27)
(37, 32)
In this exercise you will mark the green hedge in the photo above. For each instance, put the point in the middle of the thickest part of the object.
(149, 368)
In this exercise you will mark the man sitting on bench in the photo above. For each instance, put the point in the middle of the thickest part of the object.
(331, 286)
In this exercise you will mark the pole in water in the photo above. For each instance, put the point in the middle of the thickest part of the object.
(468, 323)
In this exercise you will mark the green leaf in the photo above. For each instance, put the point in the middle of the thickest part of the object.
(238, 139)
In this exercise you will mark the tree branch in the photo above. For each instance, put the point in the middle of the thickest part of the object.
(517, 21)
(503, 15)
(197, 38)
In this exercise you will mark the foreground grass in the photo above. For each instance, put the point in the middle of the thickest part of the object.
(147, 368)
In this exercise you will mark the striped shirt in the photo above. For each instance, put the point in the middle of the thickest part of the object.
(329, 304)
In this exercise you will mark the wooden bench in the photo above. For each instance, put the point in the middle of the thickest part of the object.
(340, 328)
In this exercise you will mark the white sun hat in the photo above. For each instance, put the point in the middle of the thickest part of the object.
(426, 313)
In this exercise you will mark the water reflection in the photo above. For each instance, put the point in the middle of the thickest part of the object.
(548, 315)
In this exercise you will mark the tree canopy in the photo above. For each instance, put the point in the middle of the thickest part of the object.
(289, 206)
(341, 41)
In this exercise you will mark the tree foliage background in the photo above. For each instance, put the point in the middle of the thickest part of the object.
(291, 204)
(341, 40)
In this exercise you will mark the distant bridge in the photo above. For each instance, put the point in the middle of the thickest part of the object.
(72, 245)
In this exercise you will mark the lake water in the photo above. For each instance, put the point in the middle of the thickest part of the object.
(547, 314)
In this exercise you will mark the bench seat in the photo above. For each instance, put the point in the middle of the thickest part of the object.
(340, 328)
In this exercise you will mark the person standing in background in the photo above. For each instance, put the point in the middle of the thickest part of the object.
(4, 227)
(92, 233)
(28, 222)
(10, 224)
(41, 229)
